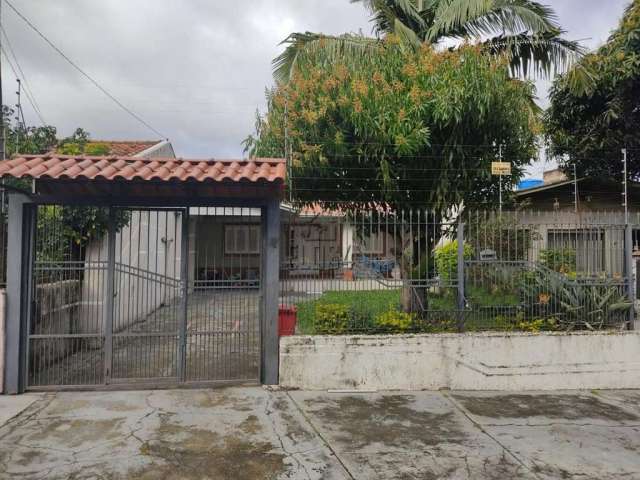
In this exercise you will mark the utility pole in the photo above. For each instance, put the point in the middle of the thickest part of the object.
(19, 115)
(575, 188)
(288, 148)
(625, 193)
(630, 271)
(500, 178)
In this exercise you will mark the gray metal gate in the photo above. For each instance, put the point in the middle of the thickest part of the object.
(133, 297)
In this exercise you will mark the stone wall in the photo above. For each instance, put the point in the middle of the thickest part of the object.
(483, 361)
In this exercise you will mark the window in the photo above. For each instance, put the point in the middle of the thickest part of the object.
(242, 239)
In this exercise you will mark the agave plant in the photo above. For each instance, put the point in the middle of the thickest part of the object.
(594, 306)
(526, 31)
(574, 304)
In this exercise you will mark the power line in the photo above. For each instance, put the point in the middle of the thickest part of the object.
(27, 93)
(85, 74)
(27, 88)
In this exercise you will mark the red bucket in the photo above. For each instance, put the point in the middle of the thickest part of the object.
(287, 317)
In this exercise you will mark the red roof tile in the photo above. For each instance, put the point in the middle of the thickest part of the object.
(52, 166)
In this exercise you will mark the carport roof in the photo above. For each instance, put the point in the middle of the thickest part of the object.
(132, 168)
(109, 176)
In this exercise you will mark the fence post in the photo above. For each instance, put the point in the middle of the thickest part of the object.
(20, 232)
(270, 290)
(184, 301)
(109, 296)
(460, 275)
(629, 274)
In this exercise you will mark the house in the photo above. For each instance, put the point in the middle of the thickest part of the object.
(326, 243)
(585, 215)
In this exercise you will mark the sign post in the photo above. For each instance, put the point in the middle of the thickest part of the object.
(500, 169)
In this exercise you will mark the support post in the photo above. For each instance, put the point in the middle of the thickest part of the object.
(109, 296)
(184, 313)
(19, 253)
(629, 274)
(460, 275)
(270, 284)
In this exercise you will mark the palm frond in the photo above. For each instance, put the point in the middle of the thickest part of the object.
(511, 17)
(477, 18)
(542, 54)
(451, 15)
(323, 49)
(386, 14)
(406, 34)
(581, 80)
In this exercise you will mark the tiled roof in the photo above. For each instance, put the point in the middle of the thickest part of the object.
(130, 168)
(126, 148)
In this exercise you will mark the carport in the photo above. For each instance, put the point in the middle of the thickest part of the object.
(101, 284)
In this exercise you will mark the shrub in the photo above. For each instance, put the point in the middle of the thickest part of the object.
(446, 259)
(561, 260)
(395, 321)
(502, 234)
(331, 318)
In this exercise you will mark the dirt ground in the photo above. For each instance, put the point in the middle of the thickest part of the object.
(256, 433)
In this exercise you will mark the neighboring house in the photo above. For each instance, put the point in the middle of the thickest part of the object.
(318, 242)
(594, 227)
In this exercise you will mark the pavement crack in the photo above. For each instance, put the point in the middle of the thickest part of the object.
(32, 411)
(320, 436)
(268, 413)
(483, 430)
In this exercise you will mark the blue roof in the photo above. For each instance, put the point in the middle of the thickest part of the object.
(530, 183)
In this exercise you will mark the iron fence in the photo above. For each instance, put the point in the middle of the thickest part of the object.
(380, 270)
(144, 295)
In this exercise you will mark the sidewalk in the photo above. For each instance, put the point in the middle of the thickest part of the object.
(252, 433)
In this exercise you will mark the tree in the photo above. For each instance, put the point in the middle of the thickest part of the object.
(20, 138)
(79, 225)
(595, 107)
(524, 30)
(403, 127)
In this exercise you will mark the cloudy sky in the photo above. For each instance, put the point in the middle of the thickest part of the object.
(194, 69)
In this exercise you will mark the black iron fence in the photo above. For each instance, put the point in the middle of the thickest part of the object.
(386, 271)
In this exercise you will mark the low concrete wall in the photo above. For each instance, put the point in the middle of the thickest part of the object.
(484, 361)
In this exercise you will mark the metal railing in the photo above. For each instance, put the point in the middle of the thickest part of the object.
(384, 271)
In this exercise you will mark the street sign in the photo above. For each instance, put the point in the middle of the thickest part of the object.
(500, 168)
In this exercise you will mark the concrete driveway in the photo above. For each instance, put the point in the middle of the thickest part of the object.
(253, 433)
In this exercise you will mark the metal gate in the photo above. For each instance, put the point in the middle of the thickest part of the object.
(133, 297)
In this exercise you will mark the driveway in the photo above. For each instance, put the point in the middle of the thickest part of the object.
(253, 433)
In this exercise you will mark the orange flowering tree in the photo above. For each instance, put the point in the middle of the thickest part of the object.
(403, 127)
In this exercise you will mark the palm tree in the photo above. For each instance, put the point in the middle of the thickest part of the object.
(526, 31)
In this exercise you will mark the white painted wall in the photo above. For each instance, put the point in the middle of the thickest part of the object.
(484, 361)
(147, 273)
(150, 243)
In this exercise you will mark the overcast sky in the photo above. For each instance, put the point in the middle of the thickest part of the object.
(194, 69)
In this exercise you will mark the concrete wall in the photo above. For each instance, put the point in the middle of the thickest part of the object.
(487, 361)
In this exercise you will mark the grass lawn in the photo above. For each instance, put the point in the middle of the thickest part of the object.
(366, 305)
